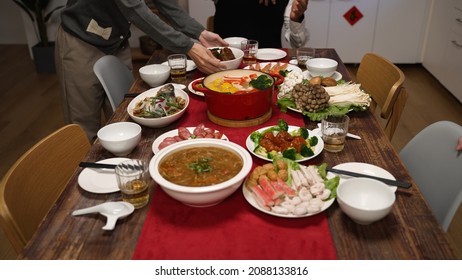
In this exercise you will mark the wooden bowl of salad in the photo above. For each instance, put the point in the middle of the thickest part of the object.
(238, 94)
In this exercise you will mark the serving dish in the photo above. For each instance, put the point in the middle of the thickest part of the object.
(173, 133)
(317, 149)
(162, 121)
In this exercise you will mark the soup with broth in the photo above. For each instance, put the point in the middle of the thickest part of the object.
(200, 166)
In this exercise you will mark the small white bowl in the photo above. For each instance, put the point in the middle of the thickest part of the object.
(235, 42)
(207, 195)
(325, 67)
(157, 122)
(365, 200)
(234, 63)
(120, 138)
(155, 74)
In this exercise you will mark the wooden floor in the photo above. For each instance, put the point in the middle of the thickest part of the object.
(30, 108)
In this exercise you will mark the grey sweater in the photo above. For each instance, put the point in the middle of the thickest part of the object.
(105, 24)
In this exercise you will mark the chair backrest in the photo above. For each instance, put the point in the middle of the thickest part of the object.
(383, 81)
(115, 77)
(436, 167)
(34, 182)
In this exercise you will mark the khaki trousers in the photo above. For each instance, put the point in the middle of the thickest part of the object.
(82, 95)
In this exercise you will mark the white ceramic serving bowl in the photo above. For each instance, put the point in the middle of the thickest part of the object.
(157, 122)
(235, 63)
(325, 67)
(235, 42)
(120, 138)
(207, 195)
(155, 74)
(365, 200)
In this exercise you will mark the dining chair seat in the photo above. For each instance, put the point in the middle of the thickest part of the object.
(115, 77)
(436, 167)
(34, 182)
(384, 82)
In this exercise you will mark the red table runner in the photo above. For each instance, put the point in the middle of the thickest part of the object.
(232, 229)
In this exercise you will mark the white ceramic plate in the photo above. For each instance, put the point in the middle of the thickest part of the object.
(193, 91)
(317, 149)
(290, 67)
(172, 133)
(250, 199)
(100, 180)
(190, 65)
(337, 76)
(270, 54)
(364, 168)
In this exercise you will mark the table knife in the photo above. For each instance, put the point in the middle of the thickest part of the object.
(398, 183)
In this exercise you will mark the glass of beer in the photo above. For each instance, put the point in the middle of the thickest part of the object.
(334, 130)
(303, 55)
(250, 49)
(177, 63)
(133, 181)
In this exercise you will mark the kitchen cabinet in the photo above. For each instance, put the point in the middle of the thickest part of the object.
(352, 41)
(400, 29)
(443, 52)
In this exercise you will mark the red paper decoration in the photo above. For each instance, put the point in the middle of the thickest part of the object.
(353, 15)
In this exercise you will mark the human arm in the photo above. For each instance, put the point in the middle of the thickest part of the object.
(295, 31)
(459, 144)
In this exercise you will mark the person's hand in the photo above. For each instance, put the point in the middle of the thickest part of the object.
(298, 9)
(266, 2)
(459, 145)
(205, 60)
(209, 39)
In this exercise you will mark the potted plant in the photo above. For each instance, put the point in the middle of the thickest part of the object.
(43, 51)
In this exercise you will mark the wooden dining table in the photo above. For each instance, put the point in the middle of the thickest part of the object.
(410, 231)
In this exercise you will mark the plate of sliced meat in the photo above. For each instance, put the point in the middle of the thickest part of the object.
(185, 133)
(273, 67)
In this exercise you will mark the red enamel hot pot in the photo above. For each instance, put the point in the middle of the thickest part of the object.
(237, 106)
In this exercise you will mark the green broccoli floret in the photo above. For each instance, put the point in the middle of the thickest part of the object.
(282, 124)
(313, 141)
(306, 151)
(301, 131)
(290, 153)
(260, 150)
(273, 154)
(256, 137)
(262, 82)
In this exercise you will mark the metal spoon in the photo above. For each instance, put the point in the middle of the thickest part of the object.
(113, 211)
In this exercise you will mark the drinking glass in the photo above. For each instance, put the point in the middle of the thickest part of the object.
(133, 181)
(303, 55)
(250, 49)
(177, 63)
(334, 130)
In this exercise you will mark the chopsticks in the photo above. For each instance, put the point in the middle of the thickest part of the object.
(398, 183)
(97, 165)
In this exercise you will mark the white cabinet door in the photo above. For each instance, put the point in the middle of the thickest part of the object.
(400, 29)
(317, 23)
(352, 41)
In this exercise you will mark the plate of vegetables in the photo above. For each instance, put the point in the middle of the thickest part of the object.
(285, 188)
(292, 142)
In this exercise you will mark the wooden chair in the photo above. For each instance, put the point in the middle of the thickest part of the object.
(210, 23)
(34, 182)
(384, 82)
